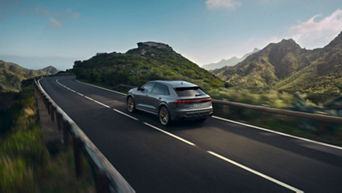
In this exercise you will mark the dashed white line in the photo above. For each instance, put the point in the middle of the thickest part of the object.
(98, 102)
(277, 132)
(192, 144)
(80, 94)
(256, 172)
(170, 134)
(125, 114)
(236, 122)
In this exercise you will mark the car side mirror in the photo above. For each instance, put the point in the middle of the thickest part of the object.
(141, 89)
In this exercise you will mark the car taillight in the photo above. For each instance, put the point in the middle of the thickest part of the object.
(187, 101)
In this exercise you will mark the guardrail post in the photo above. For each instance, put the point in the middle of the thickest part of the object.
(53, 111)
(101, 182)
(78, 157)
(59, 121)
(49, 107)
(66, 131)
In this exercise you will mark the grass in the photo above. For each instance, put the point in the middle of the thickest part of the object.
(325, 132)
(26, 164)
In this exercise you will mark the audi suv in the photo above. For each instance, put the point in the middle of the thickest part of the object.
(170, 100)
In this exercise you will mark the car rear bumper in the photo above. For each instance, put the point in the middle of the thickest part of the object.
(192, 114)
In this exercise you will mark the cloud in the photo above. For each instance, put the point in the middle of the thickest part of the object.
(56, 17)
(66, 14)
(316, 32)
(54, 23)
(228, 4)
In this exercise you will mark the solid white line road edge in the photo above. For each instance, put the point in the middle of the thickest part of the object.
(117, 176)
(229, 161)
(256, 172)
(277, 132)
(114, 91)
(240, 123)
(192, 144)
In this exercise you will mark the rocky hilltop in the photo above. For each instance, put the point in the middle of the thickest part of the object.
(149, 61)
(286, 66)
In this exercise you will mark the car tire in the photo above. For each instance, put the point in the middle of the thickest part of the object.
(164, 116)
(130, 105)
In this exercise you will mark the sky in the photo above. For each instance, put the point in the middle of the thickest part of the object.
(36, 33)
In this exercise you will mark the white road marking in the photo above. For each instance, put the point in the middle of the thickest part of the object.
(244, 124)
(279, 133)
(170, 134)
(114, 91)
(256, 172)
(98, 102)
(125, 114)
(80, 94)
(192, 144)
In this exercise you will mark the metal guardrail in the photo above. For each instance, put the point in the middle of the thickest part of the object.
(291, 113)
(298, 114)
(107, 178)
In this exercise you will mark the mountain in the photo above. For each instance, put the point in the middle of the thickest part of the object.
(50, 70)
(224, 62)
(229, 62)
(149, 61)
(12, 74)
(285, 66)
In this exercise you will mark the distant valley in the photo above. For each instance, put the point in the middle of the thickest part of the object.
(285, 66)
(228, 62)
(12, 74)
(277, 75)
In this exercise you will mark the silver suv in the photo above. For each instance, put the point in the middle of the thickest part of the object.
(170, 100)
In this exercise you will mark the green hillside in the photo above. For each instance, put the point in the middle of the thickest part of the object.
(12, 74)
(150, 61)
(285, 66)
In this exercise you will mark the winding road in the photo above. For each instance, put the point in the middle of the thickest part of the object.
(214, 156)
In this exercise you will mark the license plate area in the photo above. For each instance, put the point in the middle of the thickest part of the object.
(198, 105)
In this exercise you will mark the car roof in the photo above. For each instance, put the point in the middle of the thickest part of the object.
(175, 83)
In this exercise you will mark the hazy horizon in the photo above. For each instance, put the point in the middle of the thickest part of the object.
(36, 34)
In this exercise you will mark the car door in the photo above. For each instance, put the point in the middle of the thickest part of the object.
(141, 96)
(156, 96)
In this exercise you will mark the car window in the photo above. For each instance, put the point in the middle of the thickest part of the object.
(148, 86)
(189, 91)
(160, 89)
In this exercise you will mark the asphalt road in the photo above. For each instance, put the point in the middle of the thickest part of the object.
(214, 156)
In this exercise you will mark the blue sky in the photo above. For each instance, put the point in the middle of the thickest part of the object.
(35, 34)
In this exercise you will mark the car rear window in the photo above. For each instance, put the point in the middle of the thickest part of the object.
(160, 89)
(189, 91)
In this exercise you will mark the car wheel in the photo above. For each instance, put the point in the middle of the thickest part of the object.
(130, 105)
(164, 115)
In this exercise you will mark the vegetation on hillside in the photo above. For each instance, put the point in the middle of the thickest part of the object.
(12, 74)
(286, 67)
(280, 75)
(26, 165)
(147, 62)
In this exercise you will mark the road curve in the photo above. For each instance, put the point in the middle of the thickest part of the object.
(214, 156)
